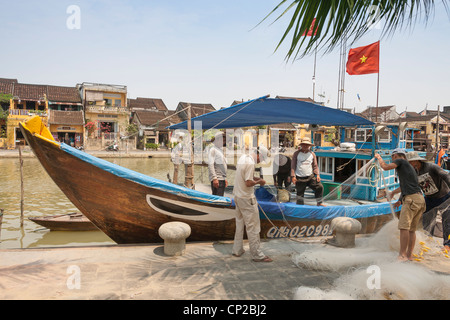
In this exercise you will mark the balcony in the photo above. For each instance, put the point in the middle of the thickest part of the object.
(107, 109)
(24, 112)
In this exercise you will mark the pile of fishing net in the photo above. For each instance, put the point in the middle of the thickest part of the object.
(371, 270)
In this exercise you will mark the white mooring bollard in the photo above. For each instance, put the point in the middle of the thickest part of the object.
(174, 235)
(346, 230)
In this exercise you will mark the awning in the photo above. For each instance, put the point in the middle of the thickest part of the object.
(266, 111)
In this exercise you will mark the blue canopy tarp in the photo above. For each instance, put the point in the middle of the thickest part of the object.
(266, 111)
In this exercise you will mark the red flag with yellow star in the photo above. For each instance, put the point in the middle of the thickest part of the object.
(364, 60)
(312, 31)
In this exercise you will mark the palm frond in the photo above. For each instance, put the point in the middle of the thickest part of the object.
(347, 19)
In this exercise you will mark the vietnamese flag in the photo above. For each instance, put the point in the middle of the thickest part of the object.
(364, 60)
(312, 31)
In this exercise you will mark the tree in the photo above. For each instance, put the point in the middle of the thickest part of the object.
(351, 19)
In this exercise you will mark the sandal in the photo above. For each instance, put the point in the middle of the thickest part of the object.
(265, 259)
(238, 255)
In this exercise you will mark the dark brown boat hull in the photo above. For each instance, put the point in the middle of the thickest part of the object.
(122, 210)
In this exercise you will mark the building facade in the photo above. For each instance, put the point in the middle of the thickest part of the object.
(106, 114)
(66, 116)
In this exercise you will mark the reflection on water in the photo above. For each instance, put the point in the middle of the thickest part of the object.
(44, 198)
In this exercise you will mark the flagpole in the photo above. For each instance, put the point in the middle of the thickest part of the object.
(314, 76)
(378, 95)
(378, 84)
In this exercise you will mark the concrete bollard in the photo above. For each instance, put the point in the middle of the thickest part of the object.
(174, 235)
(346, 230)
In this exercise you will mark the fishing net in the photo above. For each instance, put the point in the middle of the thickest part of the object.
(370, 270)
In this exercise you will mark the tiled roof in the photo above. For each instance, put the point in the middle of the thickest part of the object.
(66, 117)
(147, 103)
(63, 94)
(198, 109)
(7, 85)
(30, 91)
(151, 118)
(38, 92)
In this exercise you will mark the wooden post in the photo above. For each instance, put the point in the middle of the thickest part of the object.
(175, 173)
(1, 220)
(21, 186)
(437, 129)
(189, 174)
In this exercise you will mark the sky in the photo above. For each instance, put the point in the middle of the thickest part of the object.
(214, 52)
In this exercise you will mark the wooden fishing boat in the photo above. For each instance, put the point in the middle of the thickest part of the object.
(65, 222)
(130, 207)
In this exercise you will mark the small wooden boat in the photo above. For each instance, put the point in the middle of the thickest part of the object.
(65, 222)
(129, 207)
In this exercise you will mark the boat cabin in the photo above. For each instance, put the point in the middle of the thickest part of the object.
(351, 167)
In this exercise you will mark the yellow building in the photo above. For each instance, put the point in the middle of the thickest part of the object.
(27, 100)
(106, 113)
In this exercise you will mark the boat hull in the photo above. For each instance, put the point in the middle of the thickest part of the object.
(65, 222)
(130, 212)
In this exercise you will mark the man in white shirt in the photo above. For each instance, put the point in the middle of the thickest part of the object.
(247, 213)
(305, 172)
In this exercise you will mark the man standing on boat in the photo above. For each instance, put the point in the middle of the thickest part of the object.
(247, 213)
(217, 165)
(435, 184)
(305, 172)
(412, 200)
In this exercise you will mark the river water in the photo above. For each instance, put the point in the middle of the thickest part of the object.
(42, 197)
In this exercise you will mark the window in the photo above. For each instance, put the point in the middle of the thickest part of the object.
(349, 134)
(384, 135)
(31, 105)
(360, 165)
(363, 135)
(325, 165)
(3, 131)
(117, 103)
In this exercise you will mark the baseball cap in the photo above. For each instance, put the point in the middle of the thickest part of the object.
(414, 155)
(399, 151)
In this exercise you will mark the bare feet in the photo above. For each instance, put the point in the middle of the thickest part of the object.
(402, 259)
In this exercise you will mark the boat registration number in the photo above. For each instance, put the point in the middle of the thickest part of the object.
(299, 231)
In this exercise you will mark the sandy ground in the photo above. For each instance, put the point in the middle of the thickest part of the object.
(206, 271)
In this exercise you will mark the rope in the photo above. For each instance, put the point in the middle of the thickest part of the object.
(385, 187)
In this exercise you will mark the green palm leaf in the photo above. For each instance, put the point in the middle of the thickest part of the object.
(346, 19)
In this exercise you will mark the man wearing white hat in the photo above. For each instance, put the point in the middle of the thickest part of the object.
(305, 172)
(435, 184)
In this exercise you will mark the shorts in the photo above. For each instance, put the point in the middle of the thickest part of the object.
(413, 207)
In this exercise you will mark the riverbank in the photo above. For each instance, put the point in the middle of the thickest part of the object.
(27, 153)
